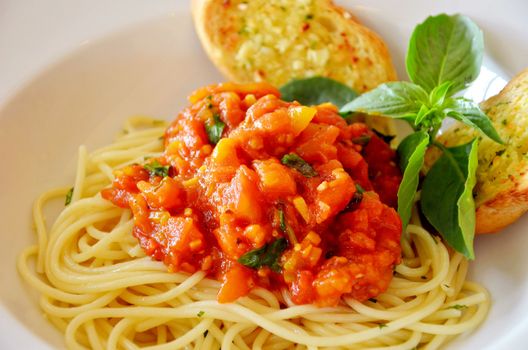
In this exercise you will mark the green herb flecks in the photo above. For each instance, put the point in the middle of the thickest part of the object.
(156, 169)
(361, 140)
(357, 197)
(285, 228)
(359, 189)
(293, 161)
(200, 313)
(268, 255)
(69, 195)
(458, 307)
(215, 129)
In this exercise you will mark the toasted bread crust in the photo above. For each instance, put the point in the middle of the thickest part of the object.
(501, 211)
(502, 172)
(352, 53)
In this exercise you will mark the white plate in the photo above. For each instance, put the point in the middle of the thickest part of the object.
(149, 68)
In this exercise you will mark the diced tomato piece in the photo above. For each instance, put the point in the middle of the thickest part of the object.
(238, 281)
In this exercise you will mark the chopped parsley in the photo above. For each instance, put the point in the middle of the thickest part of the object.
(293, 161)
(267, 255)
(382, 325)
(200, 313)
(156, 169)
(458, 307)
(215, 129)
(68, 197)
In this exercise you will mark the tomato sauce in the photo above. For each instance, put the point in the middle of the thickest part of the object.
(224, 198)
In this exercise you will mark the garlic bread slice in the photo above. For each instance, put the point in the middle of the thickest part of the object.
(277, 40)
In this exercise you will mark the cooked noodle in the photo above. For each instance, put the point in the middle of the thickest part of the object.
(102, 292)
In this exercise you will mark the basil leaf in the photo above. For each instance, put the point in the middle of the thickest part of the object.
(156, 169)
(411, 152)
(268, 255)
(445, 48)
(317, 90)
(292, 160)
(447, 196)
(469, 113)
(69, 195)
(214, 131)
(397, 100)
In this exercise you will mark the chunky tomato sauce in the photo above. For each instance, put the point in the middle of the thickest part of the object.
(322, 226)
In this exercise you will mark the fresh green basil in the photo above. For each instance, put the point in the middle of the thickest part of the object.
(397, 100)
(215, 129)
(468, 112)
(445, 48)
(292, 160)
(411, 152)
(317, 90)
(156, 169)
(69, 195)
(447, 196)
(268, 255)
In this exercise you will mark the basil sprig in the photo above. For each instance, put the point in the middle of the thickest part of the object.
(444, 56)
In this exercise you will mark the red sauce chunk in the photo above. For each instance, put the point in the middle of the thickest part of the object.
(256, 191)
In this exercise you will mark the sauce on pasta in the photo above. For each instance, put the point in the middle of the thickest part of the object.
(256, 191)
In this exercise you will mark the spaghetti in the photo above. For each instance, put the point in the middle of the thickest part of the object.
(99, 289)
